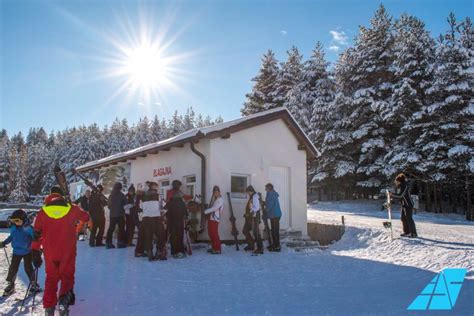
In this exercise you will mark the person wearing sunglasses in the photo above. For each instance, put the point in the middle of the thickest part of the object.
(215, 211)
(21, 236)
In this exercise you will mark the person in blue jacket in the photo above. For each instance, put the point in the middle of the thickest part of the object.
(272, 205)
(21, 236)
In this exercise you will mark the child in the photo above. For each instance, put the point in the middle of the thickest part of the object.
(21, 235)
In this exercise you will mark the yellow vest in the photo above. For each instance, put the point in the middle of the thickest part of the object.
(56, 211)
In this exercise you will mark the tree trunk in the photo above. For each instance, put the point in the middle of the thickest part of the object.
(427, 198)
(435, 199)
(469, 211)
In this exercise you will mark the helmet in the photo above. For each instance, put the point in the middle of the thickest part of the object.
(57, 189)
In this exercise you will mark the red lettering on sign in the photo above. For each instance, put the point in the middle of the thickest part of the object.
(161, 172)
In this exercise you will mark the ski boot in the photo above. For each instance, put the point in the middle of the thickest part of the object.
(151, 257)
(110, 246)
(35, 288)
(405, 235)
(10, 289)
(413, 235)
(249, 248)
(215, 252)
(121, 245)
(276, 249)
(49, 311)
(257, 252)
(162, 257)
(65, 301)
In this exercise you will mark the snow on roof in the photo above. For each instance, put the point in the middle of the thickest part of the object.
(188, 135)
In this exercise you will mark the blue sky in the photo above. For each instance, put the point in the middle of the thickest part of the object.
(59, 59)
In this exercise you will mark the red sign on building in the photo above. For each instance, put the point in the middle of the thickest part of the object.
(162, 172)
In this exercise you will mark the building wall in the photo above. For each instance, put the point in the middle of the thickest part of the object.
(183, 162)
(249, 152)
(252, 152)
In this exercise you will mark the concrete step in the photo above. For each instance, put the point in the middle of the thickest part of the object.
(301, 243)
(309, 248)
(290, 233)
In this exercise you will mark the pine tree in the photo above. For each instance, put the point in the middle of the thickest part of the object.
(289, 78)
(445, 138)
(19, 194)
(189, 119)
(414, 52)
(175, 125)
(264, 92)
(370, 77)
(310, 99)
(4, 164)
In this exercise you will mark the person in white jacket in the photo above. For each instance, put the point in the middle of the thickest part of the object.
(252, 221)
(152, 223)
(215, 212)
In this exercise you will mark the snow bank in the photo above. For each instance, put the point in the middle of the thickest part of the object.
(363, 274)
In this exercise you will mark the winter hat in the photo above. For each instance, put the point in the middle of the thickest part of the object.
(250, 189)
(176, 184)
(57, 189)
(131, 188)
(118, 186)
(19, 214)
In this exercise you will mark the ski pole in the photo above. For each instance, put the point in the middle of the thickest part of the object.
(26, 295)
(36, 290)
(6, 255)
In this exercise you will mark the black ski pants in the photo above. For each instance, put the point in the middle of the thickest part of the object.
(120, 223)
(252, 225)
(98, 228)
(275, 224)
(153, 228)
(15, 264)
(176, 231)
(407, 220)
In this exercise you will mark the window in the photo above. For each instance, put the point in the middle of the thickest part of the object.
(190, 185)
(238, 185)
(164, 186)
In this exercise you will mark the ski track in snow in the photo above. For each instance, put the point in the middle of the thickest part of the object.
(362, 274)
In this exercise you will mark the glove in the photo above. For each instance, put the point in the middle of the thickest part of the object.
(36, 258)
(2, 245)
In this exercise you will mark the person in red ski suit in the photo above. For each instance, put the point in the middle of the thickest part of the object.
(55, 231)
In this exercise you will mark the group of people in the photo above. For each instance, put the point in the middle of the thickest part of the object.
(159, 219)
(54, 232)
(58, 223)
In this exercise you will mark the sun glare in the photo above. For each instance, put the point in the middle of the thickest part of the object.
(145, 67)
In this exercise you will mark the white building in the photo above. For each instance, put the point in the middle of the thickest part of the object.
(254, 150)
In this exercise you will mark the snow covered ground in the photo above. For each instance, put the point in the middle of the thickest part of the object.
(363, 274)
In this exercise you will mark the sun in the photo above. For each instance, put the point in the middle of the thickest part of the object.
(145, 67)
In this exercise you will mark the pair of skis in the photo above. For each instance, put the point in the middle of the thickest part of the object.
(388, 224)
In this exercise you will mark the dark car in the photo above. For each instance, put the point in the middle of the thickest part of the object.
(7, 212)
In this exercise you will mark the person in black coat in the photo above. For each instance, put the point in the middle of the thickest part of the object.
(131, 215)
(97, 202)
(409, 228)
(176, 213)
(117, 202)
